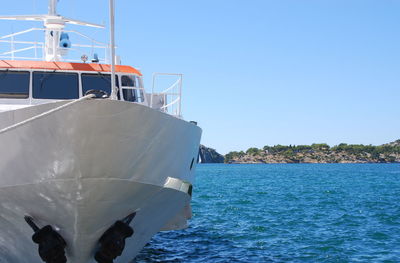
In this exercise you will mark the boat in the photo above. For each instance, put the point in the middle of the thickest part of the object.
(92, 165)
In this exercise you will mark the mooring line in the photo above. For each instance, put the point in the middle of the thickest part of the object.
(4, 130)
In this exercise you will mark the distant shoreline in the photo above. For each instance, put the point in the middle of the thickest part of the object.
(319, 153)
(315, 153)
(311, 163)
(303, 163)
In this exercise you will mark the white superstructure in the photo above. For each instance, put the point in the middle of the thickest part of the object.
(90, 166)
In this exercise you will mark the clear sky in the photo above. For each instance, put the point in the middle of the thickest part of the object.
(263, 72)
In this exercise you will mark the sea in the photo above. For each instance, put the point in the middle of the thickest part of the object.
(288, 213)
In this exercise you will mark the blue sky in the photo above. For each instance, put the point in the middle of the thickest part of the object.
(263, 72)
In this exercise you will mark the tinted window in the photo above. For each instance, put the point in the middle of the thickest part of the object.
(128, 81)
(135, 95)
(97, 82)
(14, 84)
(55, 85)
(129, 94)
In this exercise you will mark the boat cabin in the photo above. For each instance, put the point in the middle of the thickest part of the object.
(35, 72)
(36, 82)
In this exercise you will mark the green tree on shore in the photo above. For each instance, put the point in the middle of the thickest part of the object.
(381, 153)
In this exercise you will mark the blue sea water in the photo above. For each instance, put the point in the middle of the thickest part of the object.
(288, 213)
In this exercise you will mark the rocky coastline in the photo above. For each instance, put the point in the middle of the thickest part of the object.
(209, 155)
(318, 153)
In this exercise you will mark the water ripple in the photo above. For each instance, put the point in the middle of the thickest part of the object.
(288, 213)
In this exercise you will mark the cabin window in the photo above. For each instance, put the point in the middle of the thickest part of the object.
(129, 94)
(132, 92)
(55, 85)
(14, 85)
(97, 82)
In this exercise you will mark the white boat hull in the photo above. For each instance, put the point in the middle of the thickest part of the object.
(88, 165)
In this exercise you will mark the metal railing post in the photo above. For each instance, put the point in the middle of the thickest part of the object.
(12, 47)
(180, 96)
(152, 90)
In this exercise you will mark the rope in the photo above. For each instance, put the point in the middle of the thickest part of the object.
(90, 96)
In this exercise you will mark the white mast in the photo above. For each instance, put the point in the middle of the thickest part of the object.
(53, 7)
(112, 47)
(55, 27)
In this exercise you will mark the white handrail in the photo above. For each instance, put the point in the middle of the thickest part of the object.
(17, 50)
(172, 86)
(13, 58)
(170, 104)
(85, 36)
(171, 96)
(22, 42)
(95, 46)
(21, 32)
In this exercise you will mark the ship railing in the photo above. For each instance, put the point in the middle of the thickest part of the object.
(17, 48)
(168, 100)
